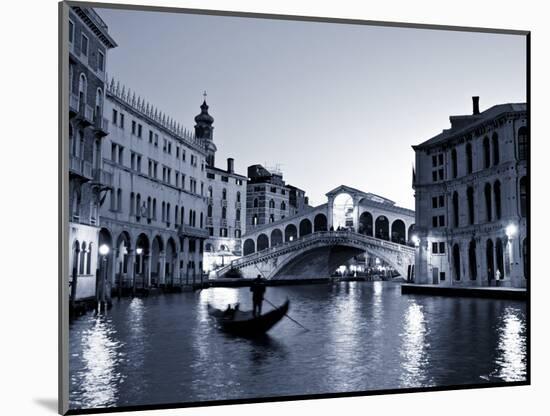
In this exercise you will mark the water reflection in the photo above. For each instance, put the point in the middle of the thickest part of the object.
(413, 350)
(98, 377)
(511, 365)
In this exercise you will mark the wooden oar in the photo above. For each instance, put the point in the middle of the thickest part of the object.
(293, 320)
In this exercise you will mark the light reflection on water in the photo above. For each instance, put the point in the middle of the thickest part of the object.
(510, 361)
(363, 336)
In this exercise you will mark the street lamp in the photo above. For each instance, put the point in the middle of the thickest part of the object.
(139, 250)
(415, 240)
(103, 251)
(511, 232)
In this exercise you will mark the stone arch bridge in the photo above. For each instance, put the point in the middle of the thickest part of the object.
(316, 241)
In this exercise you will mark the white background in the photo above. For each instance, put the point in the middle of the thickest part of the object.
(28, 251)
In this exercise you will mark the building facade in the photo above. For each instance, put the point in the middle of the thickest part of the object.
(226, 191)
(269, 199)
(154, 215)
(89, 43)
(471, 196)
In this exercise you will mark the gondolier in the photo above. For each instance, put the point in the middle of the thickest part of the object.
(258, 290)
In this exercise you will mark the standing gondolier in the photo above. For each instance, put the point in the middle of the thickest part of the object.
(258, 290)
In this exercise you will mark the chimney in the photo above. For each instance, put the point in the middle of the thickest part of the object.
(475, 102)
(230, 165)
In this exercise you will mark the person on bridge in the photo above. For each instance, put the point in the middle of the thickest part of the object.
(258, 290)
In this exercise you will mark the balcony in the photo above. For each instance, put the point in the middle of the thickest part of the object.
(103, 177)
(87, 114)
(188, 231)
(73, 105)
(80, 167)
(101, 126)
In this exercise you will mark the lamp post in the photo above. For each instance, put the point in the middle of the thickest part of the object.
(416, 241)
(103, 251)
(139, 252)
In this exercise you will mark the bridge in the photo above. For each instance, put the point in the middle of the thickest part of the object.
(318, 240)
(318, 255)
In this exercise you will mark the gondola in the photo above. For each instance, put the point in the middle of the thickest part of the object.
(244, 323)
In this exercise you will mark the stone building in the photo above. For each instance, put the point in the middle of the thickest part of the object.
(89, 42)
(269, 199)
(154, 215)
(226, 190)
(471, 191)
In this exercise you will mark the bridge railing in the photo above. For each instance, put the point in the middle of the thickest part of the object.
(313, 237)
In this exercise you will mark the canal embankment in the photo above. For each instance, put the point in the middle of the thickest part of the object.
(465, 291)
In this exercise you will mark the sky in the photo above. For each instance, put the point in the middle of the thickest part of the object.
(328, 103)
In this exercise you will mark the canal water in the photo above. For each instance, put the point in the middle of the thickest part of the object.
(363, 336)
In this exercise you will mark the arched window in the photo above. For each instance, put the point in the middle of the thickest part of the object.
(201, 220)
(132, 203)
(89, 260)
(490, 260)
(255, 220)
(498, 200)
(138, 205)
(155, 209)
(163, 212)
(249, 246)
(72, 141)
(382, 228)
(271, 203)
(283, 206)
(238, 197)
(499, 257)
(523, 143)
(486, 153)
(523, 196)
(176, 212)
(182, 215)
(82, 89)
(238, 214)
(455, 209)
(472, 260)
(488, 202)
(168, 212)
(255, 202)
(469, 161)
(454, 164)
(470, 197)
(224, 213)
(210, 193)
(496, 150)
(80, 149)
(224, 194)
(119, 200)
(98, 109)
(149, 207)
(82, 259)
(209, 211)
(456, 261)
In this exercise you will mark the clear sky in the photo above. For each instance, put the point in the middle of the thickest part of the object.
(330, 103)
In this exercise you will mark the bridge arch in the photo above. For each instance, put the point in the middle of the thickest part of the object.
(249, 246)
(291, 233)
(382, 228)
(365, 223)
(398, 233)
(276, 237)
(263, 242)
(305, 227)
(320, 223)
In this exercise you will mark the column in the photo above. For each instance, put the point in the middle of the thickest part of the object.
(186, 260)
(112, 269)
(176, 275)
(131, 268)
(162, 271)
(147, 274)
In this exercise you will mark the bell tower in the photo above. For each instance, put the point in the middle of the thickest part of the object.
(205, 131)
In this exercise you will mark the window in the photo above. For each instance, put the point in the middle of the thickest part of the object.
(224, 194)
(71, 31)
(273, 189)
(132, 160)
(238, 197)
(454, 163)
(435, 248)
(151, 136)
(441, 201)
(210, 175)
(209, 211)
(442, 220)
(496, 152)
(486, 153)
(224, 213)
(441, 275)
(455, 209)
(225, 179)
(113, 152)
(470, 197)
(488, 203)
(84, 45)
(119, 200)
(442, 248)
(255, 202)
(523, 196)
(100, 61)
(434, 221)
(133, 127)
(469, 162)
(121, 121)
(523, 143)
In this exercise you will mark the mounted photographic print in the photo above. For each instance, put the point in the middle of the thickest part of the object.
(259, 208)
